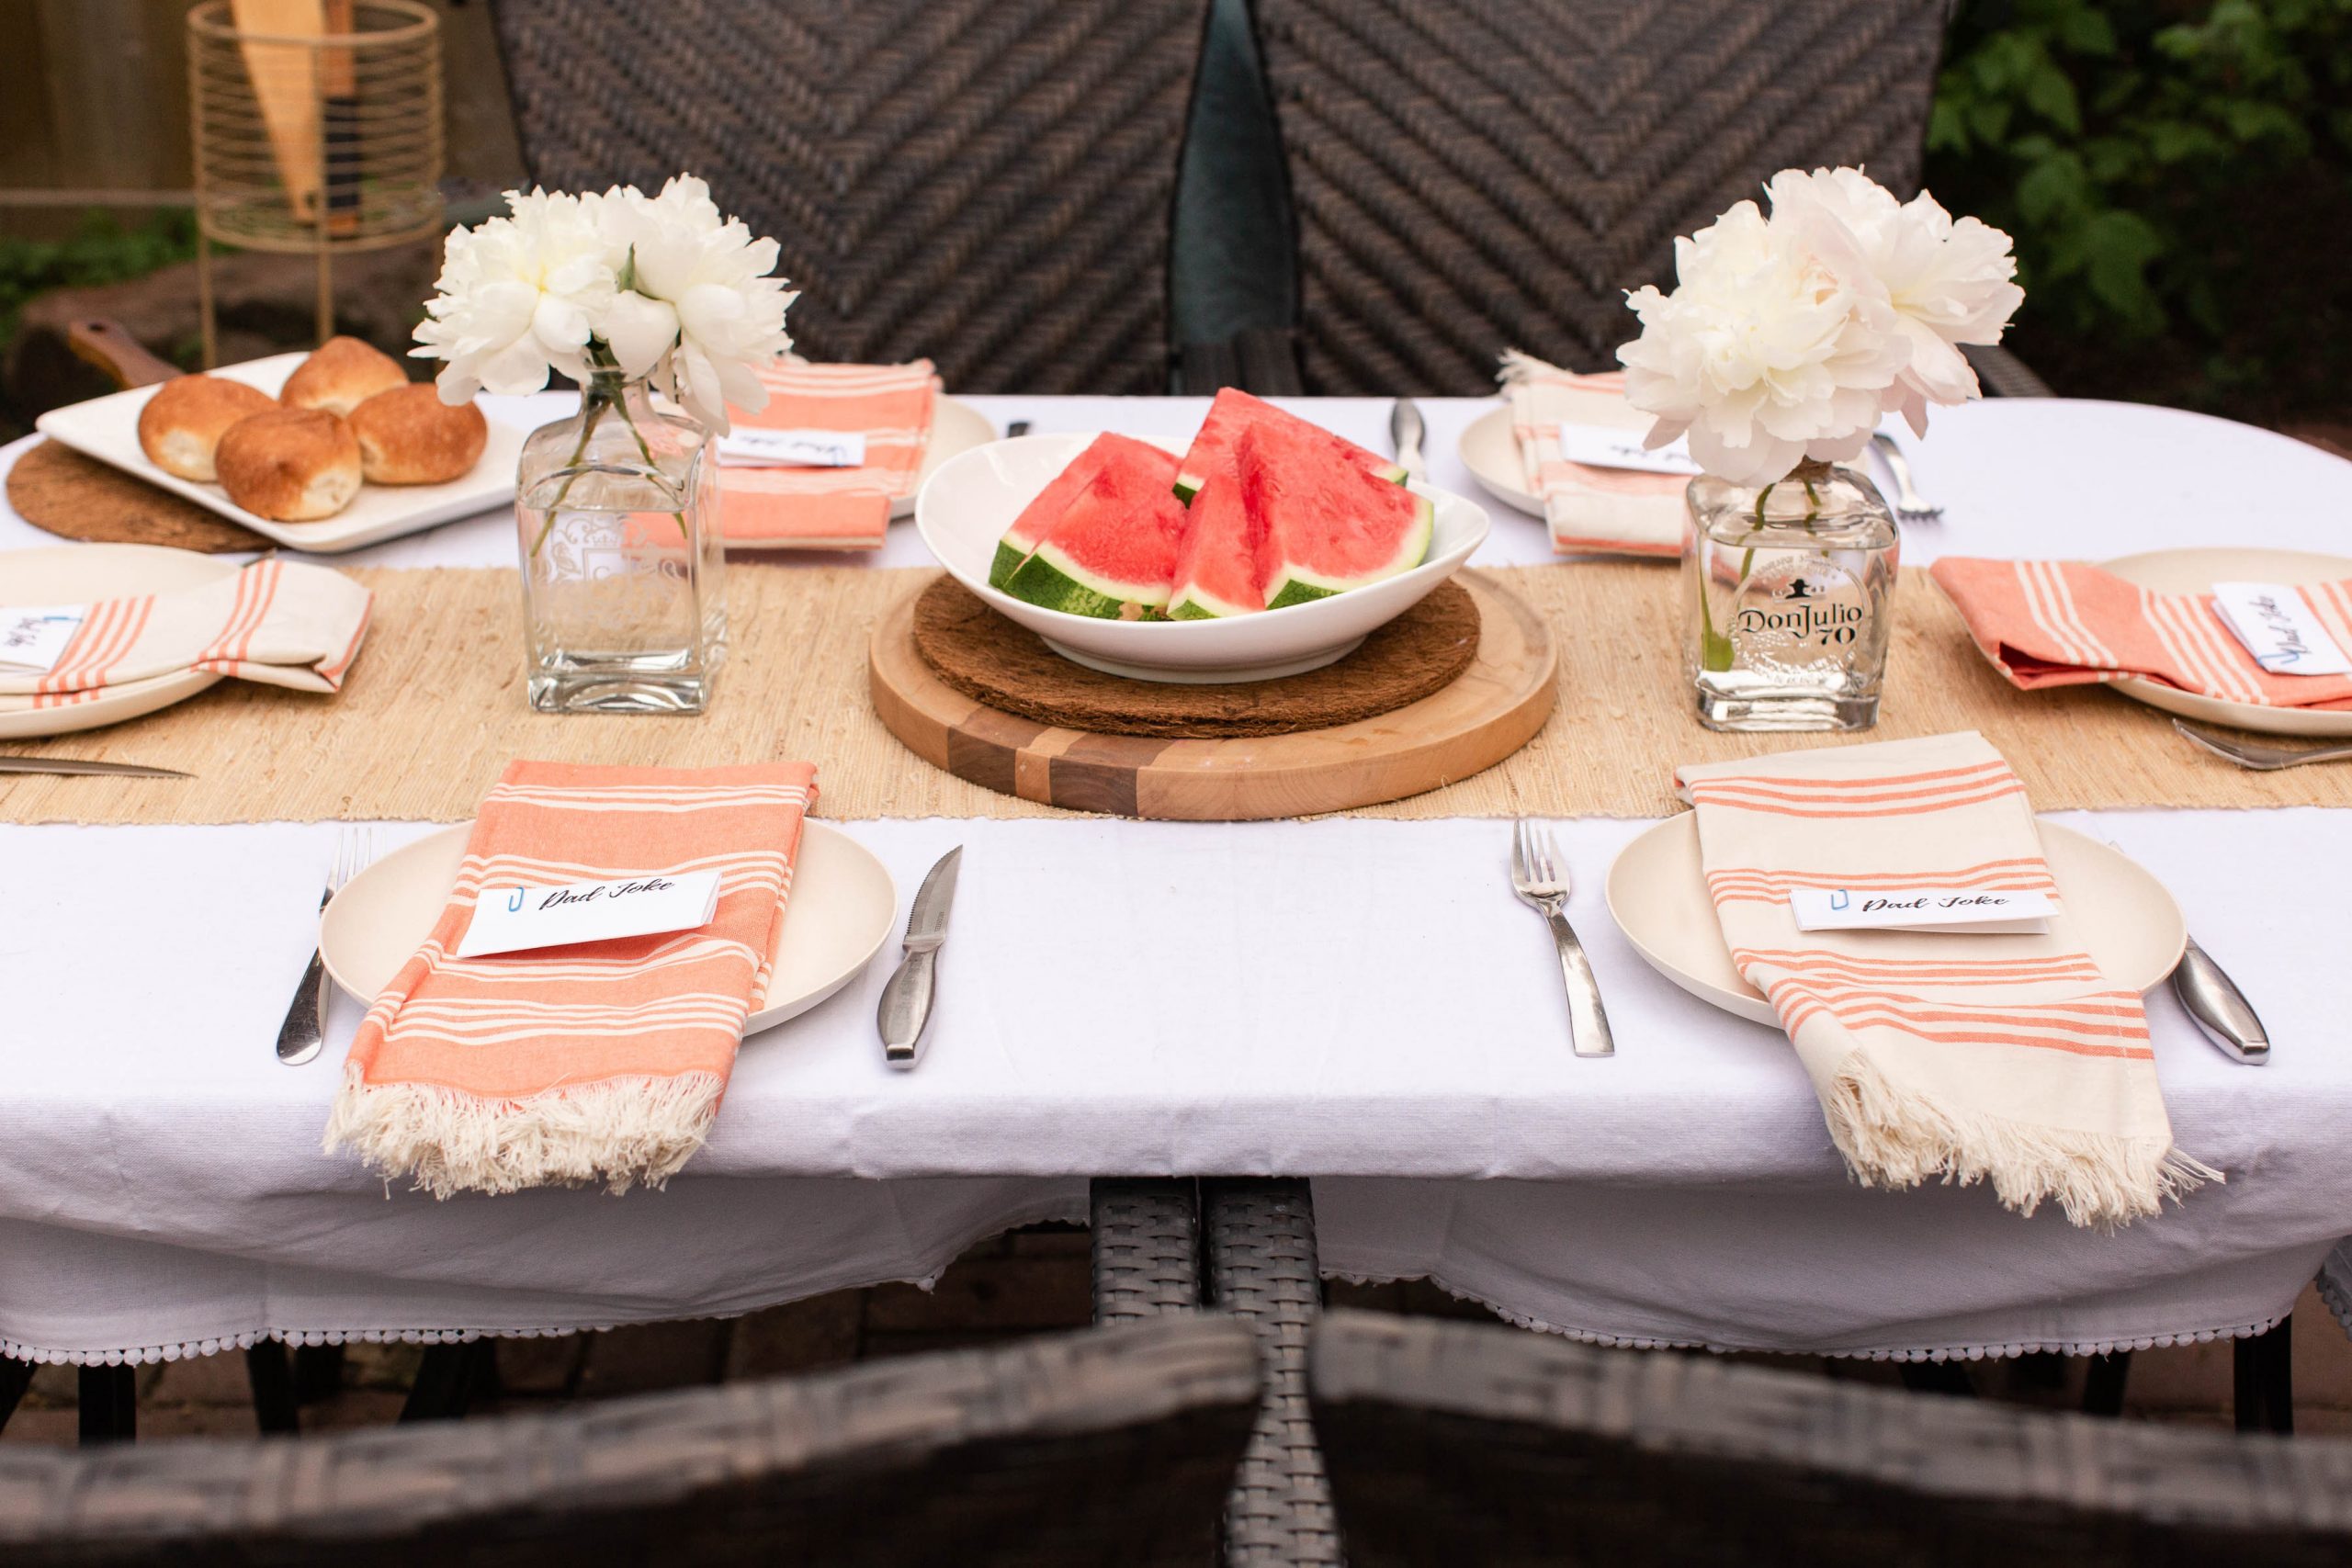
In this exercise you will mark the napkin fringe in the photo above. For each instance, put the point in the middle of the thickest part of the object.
(1519, 367)
(1896, 1139)
(617, 1132)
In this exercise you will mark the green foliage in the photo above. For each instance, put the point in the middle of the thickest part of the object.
(2165, 166)
(102, 251)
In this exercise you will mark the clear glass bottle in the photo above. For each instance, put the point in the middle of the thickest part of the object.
(624, 572)
(1786, 596)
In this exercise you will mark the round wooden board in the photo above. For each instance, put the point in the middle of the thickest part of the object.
(58, 490)
(1493, 709)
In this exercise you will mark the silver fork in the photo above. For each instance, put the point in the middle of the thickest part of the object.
(1909, 504)
(1537, 876)
(300, 1037)
(2264, 759)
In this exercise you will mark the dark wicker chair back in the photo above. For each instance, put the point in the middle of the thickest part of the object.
(1114, 1446)
(1469, 175)
(1470, 1444)
(986, 181)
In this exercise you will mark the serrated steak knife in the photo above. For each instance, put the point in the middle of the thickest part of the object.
(906, 999)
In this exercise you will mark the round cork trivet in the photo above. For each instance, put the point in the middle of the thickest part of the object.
(76, 497)
(989, 659)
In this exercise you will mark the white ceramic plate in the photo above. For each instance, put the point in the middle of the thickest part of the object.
(81, 574)
(955, 429)
(2113, 909)
(2195, 571)
(107, 429)
(964, 508)
(1491, 454)
(842, 910)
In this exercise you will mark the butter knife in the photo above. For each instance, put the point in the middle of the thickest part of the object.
(10, 765)
(1406, 433)
(905, 1011)
(2219, 1007)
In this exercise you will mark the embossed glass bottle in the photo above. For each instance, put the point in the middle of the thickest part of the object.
(1786, 596)
(624, 573)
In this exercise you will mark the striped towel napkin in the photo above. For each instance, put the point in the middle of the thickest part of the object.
(2003, 1058)
(1617, 511)
(2066, 623)
(832, 509)
(602, 1061)
(281, 622)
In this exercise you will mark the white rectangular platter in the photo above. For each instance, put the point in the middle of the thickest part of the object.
(107, 429)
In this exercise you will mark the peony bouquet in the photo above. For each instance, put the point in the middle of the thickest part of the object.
(1787, 338)
(613, 285)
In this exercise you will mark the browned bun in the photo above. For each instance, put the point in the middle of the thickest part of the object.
(186, 417)
(290, 465)
(409, 436)
(339, 376)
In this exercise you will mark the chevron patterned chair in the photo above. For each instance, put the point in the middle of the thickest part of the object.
(989, 182)
(1475, 174)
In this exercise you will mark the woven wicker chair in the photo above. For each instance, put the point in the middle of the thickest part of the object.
(1471, 1445)
(986, 181)
(1476, 174)
(1109, 1447)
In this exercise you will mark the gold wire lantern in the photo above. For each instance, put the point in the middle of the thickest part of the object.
(317, 128)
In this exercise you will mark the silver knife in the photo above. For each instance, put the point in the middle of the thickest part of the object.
(2219, 1007)
(12, 764)
(1406, 430)
(906, 998)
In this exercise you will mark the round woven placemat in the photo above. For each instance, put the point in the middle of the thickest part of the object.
(991, 660)
(60, 491)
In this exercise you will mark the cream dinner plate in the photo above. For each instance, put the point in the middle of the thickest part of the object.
(842, 910)
(2113, 909)
(107, 429)
(2196, 572)
(1491, 454)
(83, 574)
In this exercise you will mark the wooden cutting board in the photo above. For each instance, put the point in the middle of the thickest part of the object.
(1493, 709)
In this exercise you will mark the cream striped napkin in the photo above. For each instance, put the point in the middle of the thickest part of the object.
(832, 509)
(281, 622)
(2009, 1059)
(602, 1061)
(1615, 510)
(2065, 622)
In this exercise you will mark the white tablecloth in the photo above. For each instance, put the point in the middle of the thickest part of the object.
(1360, 1002)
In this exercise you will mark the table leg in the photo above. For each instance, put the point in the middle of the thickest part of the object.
(318, 1374)
(15, 1378)
(1938, 1377)
(2103, 1385)
(109, 1401)
(271, 1372)
(449, 1379)
(2263, 1380)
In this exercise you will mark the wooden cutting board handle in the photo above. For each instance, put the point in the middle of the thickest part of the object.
(124, 359)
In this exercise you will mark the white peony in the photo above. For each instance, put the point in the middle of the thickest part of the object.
(519, 296)
(1769, 351)
(1949, 281)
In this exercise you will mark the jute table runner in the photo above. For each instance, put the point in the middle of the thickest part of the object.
(434, 710)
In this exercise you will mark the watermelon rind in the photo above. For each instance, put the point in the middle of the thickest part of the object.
(1051, 581)
(1007, 561)
(1292, 585)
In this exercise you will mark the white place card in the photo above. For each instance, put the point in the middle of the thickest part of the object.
(1957, 911)
(755, 448)
(1600, 446)
(2277, 625)
(514, 920)
(33, 637)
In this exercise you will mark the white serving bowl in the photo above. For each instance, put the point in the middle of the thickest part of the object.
(964, 508)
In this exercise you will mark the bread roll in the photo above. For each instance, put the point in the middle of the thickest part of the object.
(409, 436)
(339, 376)
(185, 419)
(290, 465)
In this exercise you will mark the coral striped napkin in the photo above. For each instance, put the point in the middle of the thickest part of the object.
(281, 622)
(1617, 511)
(2009, 1059)
(602, 1061)
(2067, 623)
(832, 509)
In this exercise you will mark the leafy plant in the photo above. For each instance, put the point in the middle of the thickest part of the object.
(2166, 167)
(101, 251)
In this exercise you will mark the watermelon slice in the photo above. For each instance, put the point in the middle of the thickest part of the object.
(1038, 517)
(1113, 553)
(1218, 570)
(1234, 411)
(1330, 526)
